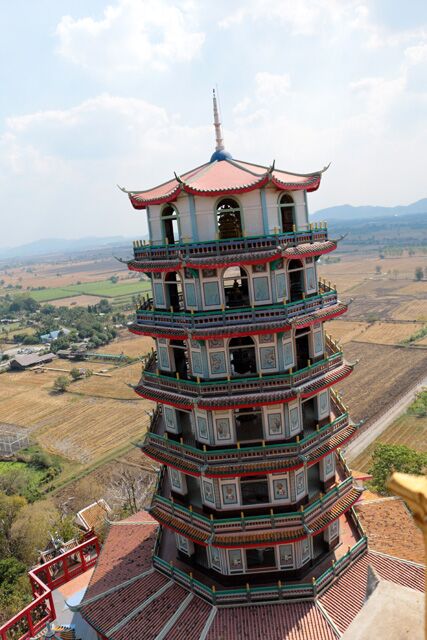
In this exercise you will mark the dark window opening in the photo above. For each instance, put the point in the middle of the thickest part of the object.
(236, 287)
(174, 297)
(254, 490)
(302, 348)
(249, 425)
(296, 279)
(170, 225)
(260, 558)
(179, 350)
(309, 415)
(287, 213)
(229, 219)
(242, 356)
(313, 481)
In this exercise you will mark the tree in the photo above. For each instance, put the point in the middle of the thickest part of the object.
(419, 273)
(30, 529)
(378, 269)
(130, 488)
(114, 279)
(61, 384)
(387, 458)
(10, 506)
(75, 373)
(419, 407)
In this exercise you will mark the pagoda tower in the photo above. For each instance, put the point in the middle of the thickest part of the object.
(254, 497)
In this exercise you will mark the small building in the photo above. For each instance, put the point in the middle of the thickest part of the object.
(24, 361)
(54, 335)
(93, 516)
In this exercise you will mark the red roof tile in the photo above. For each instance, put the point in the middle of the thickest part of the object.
(124, 554)
(224, 177)
(345, 598)
(191, 622)
(296, 621)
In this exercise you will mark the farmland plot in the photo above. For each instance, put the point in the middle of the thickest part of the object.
(383, 375)
(414, 310)
(345, 330)
(131, 345)
(110, 387)
(387, 332)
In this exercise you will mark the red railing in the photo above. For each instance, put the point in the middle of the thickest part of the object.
(43, 579)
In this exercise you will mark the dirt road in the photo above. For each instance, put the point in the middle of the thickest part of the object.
(360, 443)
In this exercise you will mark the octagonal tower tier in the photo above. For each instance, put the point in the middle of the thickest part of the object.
(247, 425)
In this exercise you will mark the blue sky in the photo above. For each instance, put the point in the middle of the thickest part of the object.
(99, 93)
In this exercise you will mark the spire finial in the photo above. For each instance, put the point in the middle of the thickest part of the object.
(217, 125)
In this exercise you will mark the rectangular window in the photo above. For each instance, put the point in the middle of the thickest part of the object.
(254, 490)
(261, 289)
(211, 294)
(159, 297)
(281, 286)
(264, 558)
(190, 294)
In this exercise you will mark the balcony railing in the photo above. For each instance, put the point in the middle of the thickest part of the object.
(241, 384)
(209, 248)
(273, 593)
(254, 523)
(44, 578)
(198, 321)
(293, 449)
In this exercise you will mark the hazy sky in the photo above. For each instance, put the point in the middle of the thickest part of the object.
(98, 93)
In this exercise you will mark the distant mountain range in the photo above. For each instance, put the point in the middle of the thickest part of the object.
(49, 246)
(346, 212)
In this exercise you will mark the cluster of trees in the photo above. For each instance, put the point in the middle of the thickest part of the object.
(387, 458)
(420, 273)
(24, 531)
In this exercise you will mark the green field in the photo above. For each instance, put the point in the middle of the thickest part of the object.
(101, 288)
(408, 430)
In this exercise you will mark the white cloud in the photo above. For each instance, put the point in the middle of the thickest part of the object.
(132, 36)
(271, 86)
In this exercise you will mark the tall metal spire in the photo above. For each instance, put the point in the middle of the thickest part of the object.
(217, 124)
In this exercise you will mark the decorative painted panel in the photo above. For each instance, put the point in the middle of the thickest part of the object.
(299, 483)
(217, 343)
(264, 338)
(323, 400)
(211, 293)
(268, 357)
(288, 354)
(196, 362)
(334, 530)
(305, 550)
(281, 286)
(261, 289)
(215, 557)
(229, 493)
(280, 489)
(190, 294)
(223, 431)
(258, 268)
(170, 418)
(209, 273)
(159, 295)
(163, 356)
(275, 426)
(286, 555)
(202, 427)
(329, 464)
(175, 478)
(217, 362)
(235, 560)
(310, 278)
(294, 419)
(182, 543)
(318, 342)
(208, 492)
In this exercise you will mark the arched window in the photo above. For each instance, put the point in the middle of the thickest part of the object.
(296, 279)
(287, 213)
(236, 287)
(229, 219)
(170, 224)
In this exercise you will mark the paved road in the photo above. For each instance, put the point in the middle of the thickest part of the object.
(359, 444)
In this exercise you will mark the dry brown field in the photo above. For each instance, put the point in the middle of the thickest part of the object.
(130, 345)
(384, 373)
(110, 387)
(345, 330)
(411, 311)
(413, 289)
(78, 427)
(388, 332)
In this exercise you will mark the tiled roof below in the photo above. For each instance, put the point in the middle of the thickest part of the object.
(381, 519)
(127, 602)
(126, 553)
(273, 622)
(345, 598)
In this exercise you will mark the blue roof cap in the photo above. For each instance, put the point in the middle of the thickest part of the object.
(219, 155)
